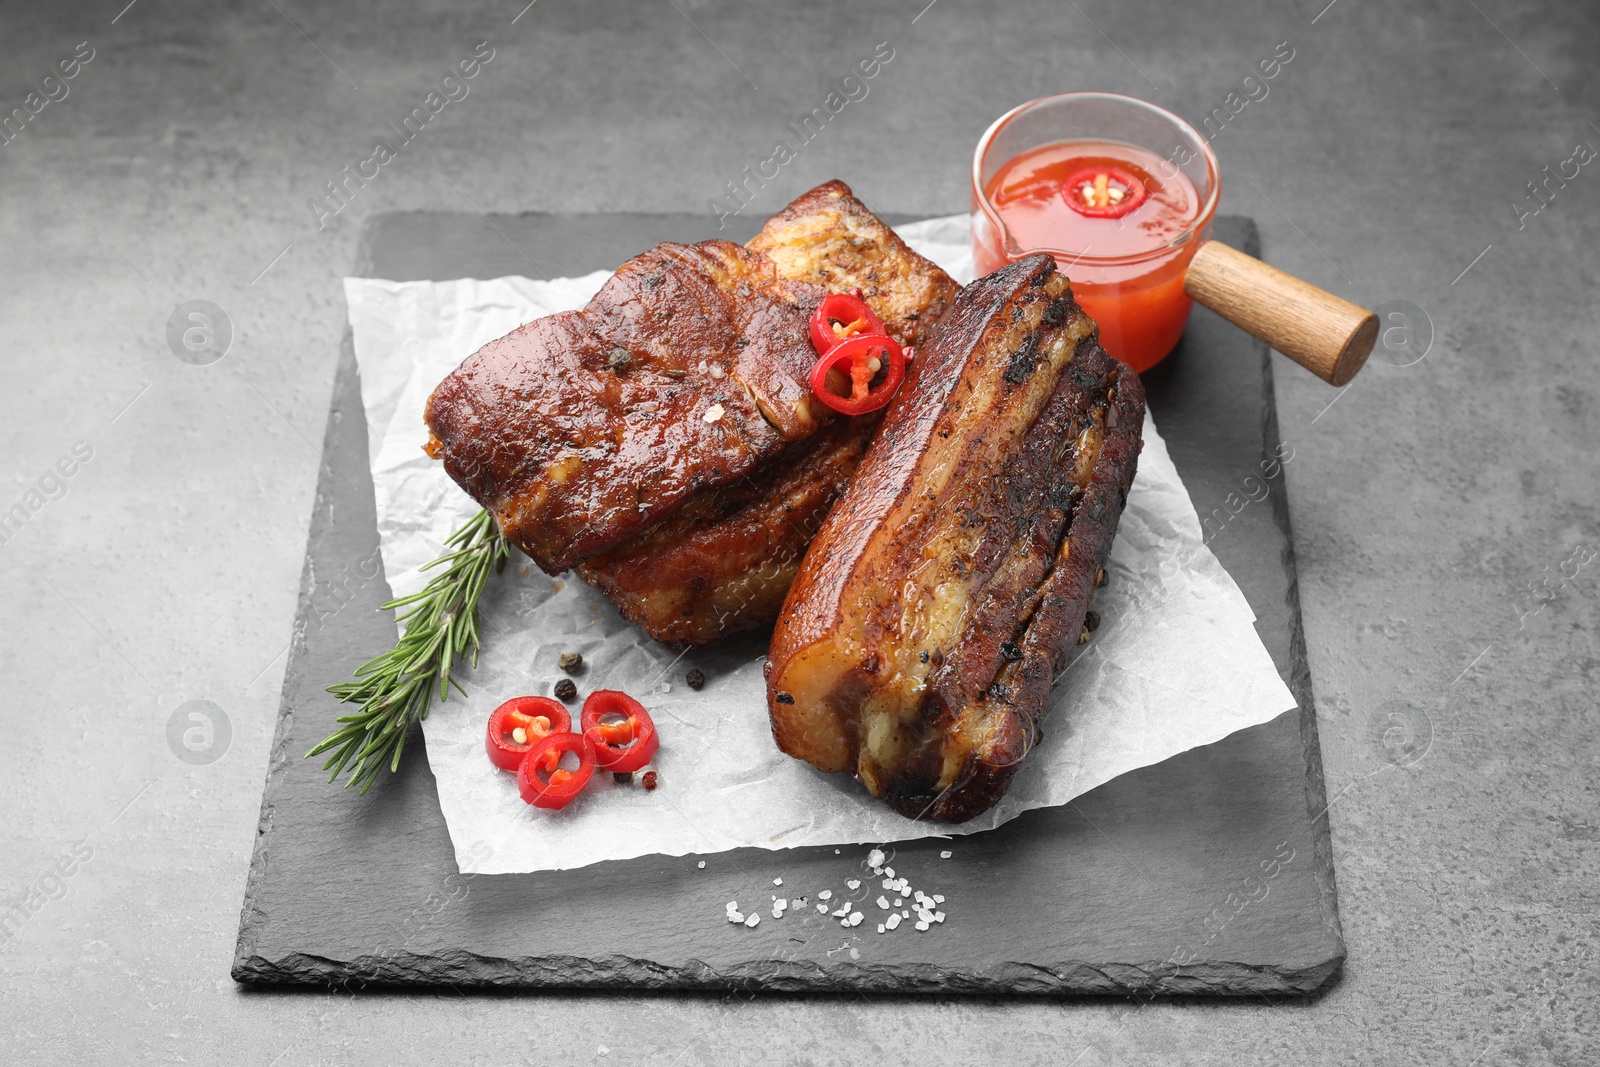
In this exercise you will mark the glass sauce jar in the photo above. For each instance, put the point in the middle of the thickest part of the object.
(1120, 192)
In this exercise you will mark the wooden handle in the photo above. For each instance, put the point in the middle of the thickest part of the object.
(1325, 334)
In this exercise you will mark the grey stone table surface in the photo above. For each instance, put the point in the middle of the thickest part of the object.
(1444, 511)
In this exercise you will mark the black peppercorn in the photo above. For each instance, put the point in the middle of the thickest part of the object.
(1091, 619)
(566, 690)
(619, 359)
(784, 698)
(696, 678)
(1009, 651)
(622, 777)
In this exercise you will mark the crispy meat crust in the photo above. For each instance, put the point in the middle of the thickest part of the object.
(948, 585)
(724, 562)
(831, 238)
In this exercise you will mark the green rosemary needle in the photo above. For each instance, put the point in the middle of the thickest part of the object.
(395, 689)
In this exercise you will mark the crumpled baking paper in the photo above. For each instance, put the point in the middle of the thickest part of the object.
(1175, 664)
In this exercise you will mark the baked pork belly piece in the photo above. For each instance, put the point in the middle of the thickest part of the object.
(664, 439)
(948, 585)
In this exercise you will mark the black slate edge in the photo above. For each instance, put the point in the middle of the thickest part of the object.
(251, 918)
(1300, 673)
(1300, 686)
(473, 971)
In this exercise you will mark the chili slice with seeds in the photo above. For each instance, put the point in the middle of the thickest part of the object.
(841, 316)
(543, 782)
(1103, 191)
(870, 386)
(620, 730)
(536, 717)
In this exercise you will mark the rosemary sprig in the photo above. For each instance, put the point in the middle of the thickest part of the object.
(396, 688)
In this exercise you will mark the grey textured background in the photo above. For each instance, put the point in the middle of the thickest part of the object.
(1433, 504)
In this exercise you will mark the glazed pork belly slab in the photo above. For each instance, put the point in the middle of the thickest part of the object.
(664, 440)
(948, 585)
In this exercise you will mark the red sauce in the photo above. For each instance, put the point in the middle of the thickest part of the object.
(1125, 272)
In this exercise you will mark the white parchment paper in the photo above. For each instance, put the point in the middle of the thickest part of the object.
(1175, 664)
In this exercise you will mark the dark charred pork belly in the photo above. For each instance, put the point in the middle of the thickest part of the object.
(948, 585)
(665, 437)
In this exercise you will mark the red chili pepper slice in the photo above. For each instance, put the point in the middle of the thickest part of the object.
(621, 731)
(536, 717)
(1103, 191)
(870, 386)
(840, 316)
(543, 782)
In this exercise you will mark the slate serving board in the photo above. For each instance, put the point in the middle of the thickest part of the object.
(1209, 873)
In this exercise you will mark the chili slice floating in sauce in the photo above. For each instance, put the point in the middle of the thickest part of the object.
(841, 316)
(1103, 191)
(875, 367)
(619, 729)
(543, 782)
(535, 717)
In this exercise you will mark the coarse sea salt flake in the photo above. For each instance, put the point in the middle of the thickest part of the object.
(854, 883)
(753, 920)
(777, 881)
(883, 902)
(856, 917)
(938, 916)
(946, 854)
(826, 894)
(892, 921)
(938, 898)
(822, 907)
(889, 871)
(921, 925)
(880, 928)
(875, 858)
(701, 865)
(888, 883)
